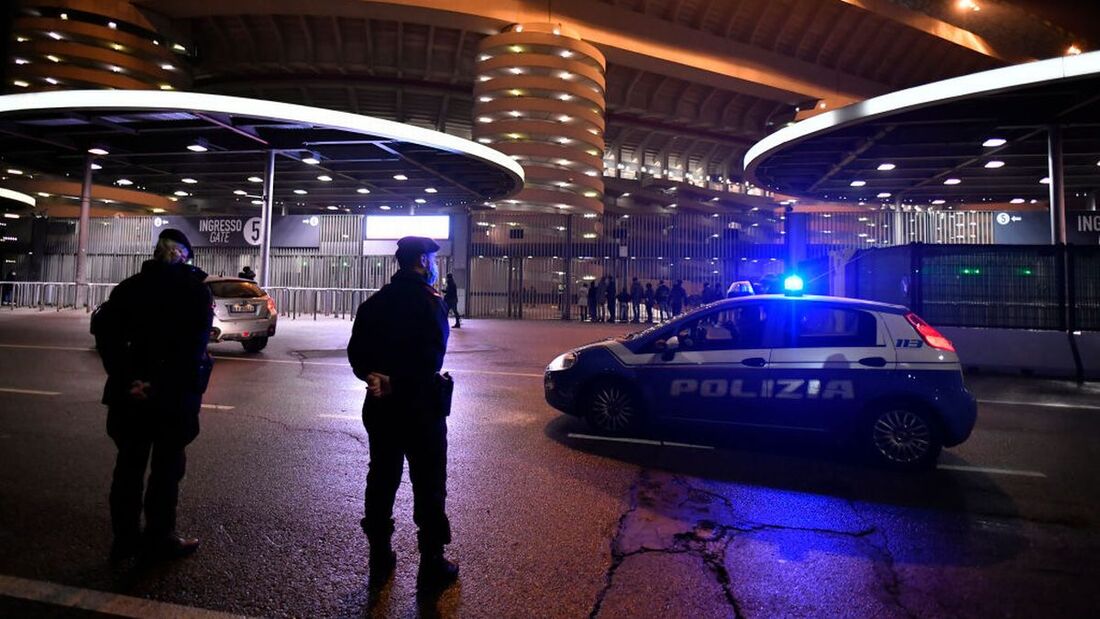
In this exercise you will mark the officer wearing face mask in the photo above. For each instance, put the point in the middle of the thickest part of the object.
(397, 347)
(152, 335)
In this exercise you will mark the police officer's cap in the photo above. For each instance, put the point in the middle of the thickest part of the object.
(418, 244)
(173, 234)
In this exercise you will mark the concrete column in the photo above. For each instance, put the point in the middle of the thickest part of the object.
(82, 234)
(265, 220)
(796, 227)
(460, 256)
(1057, 186)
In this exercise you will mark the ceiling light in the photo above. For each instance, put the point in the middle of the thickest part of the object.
(98, 151)
(179, 193)
(21, 83)
(400, 177)
(124, 182)
(565, 97)
(484, 57)
(938, 201)
(50, 80)
(429, 190)
(1016, 201)
(420, 200)
(362, 190)
(22, 61)
(384, 207)
(117, 47)
(565, 75)
(857, 183)
(96, 166)
(166, 87)
(994, 142)
(157, 210)
(1045, 180)
(115, 69)
(485, 99)
(484, 119)
(197, 148)
(484, 78)
(952, 181)
(485, 140)
(311, 159)
(563, 118)
(168, 67)
(886, 167)
(994, 164)
(240, 192)
(516, 48)
(332, 207)
(258, 202)
(255, 179)
(54, 36)
(885, 194)
(301, 192)
(14, 171)
(1073, 50)
(112, 25)
(189, 181)
(515, 92)
(565, 53)
(178, 47)
(516, 70)
(515, 113)
(324, 178)
(53, 58)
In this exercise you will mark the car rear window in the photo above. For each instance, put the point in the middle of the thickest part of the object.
(235, 290)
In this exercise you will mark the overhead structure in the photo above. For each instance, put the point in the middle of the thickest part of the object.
(1015, 135)
(79, 44)
(222, 154)
(539, 98)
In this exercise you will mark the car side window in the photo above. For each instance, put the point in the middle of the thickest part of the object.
(731, 328)
(830, 327)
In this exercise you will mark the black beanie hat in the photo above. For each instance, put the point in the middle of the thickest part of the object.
(173, 234)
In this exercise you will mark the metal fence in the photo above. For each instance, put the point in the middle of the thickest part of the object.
(54, 295)
(997, 286)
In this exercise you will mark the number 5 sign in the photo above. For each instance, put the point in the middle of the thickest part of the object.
(253, 231)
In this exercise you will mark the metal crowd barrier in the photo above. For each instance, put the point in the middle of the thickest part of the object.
(293, 301)
(58, 295)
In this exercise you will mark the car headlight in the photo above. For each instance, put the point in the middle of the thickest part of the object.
(562, 362)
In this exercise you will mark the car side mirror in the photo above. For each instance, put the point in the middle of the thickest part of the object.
(668, 348)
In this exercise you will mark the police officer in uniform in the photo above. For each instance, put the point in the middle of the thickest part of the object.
(152, 335)
(397, 347)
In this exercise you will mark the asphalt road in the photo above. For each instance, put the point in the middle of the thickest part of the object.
(547, 523)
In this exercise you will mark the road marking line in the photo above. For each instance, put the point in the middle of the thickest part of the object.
(637, 441)
(355, 417)
(993, 471)
(28, 391)
(1046, 404)
(285, 361)
(219, 407)
(99, 601)
(33, 347)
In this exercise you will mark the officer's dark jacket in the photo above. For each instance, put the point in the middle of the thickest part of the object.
(401, 331)
(155, 327)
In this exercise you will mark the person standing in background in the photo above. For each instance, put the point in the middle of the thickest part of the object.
(450, 297)
(649, 301)
(636, 293)
(611, 298)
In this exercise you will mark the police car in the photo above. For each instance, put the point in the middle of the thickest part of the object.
(871, 372)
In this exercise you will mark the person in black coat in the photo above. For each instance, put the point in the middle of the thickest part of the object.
(593, 302)
(247, 273)
(152, 335)
(397, 347)
(610, 293)
(450, 296)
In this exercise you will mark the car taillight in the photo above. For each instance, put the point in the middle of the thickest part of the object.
(270, 305)
(929, 334)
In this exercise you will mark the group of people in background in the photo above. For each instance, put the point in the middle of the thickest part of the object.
(607, 302)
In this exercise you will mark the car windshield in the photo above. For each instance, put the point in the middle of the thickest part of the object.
(235, 290)
(664, 325)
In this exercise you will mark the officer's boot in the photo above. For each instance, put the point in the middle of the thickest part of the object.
(436, 572)
(382, 562)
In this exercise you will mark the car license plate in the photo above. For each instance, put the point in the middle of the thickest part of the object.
(242, 308)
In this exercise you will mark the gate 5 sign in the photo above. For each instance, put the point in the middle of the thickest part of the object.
(286, 231)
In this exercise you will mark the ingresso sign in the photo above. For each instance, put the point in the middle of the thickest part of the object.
(286, 231)
(1084, 227)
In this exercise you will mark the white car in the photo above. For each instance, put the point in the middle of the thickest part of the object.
(243, 313)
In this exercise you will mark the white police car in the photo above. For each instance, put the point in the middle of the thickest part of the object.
(869, 371)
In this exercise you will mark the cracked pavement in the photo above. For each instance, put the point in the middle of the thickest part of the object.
(545, 524)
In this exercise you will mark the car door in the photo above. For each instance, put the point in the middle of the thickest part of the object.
(716, 370)
(829, 360)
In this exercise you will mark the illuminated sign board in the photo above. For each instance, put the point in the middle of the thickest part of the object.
(286, 230)
(393, 227)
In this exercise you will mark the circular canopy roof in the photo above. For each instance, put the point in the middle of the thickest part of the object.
(210, 151)
(971, 139)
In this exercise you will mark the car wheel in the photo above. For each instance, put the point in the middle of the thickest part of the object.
(612, 408)
(903, 438)
(255, 344)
